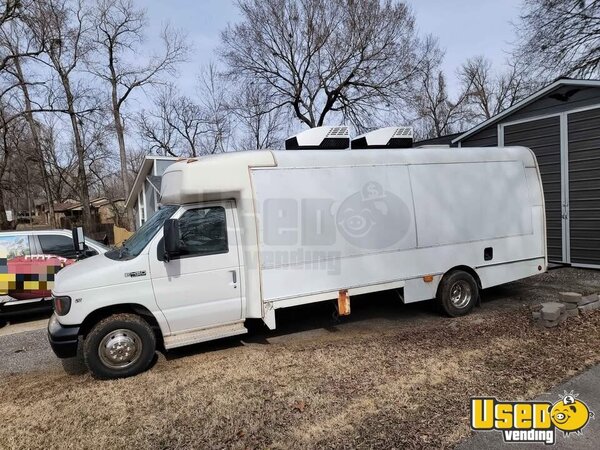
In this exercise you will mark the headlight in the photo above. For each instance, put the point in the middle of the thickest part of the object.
(62, 305)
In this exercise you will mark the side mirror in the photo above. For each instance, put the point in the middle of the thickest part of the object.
(78, 240)
(171, 238)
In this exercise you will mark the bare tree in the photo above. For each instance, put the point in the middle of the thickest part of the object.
(179, 126)
(437, 113)
(259, 125)
(489, 93)
(120, 33)
(560, 37)
(18, 41)
(67, 26)
(61, 162)
(14, 139)
(174, 125)
(5, 156)
(321, 57)
(9, 11)
(12, 14)
(212, 92)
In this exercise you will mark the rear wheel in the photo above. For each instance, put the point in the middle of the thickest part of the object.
(457, 293)
(119, 346)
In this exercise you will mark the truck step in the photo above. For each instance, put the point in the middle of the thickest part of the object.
(206, 334)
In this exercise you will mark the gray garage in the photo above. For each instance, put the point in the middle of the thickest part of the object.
(561, 124)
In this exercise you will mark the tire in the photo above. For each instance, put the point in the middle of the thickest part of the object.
(119, 346)
(457, 293)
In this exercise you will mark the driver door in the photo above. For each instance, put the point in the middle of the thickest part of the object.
(199, 288)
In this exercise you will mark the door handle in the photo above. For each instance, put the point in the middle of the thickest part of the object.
(234, 276)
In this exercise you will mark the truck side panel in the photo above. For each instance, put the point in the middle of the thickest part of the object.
(323, 229)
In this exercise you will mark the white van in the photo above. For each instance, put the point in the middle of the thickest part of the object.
(240, 235)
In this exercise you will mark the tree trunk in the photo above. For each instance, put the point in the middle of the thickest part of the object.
(122, 153)
(36, 142)
(79, 148)
(4, 225)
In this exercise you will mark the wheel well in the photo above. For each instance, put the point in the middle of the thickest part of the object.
(131, 308)
(469, 270)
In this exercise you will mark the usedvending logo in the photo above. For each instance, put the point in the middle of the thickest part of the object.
(530, 421)
(373, 218)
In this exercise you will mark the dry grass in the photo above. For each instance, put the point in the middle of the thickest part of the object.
(397, 387)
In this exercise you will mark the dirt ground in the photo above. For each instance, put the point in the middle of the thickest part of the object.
(389, 376)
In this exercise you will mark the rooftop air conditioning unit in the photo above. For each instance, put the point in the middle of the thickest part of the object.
(390, 137)
(320, 138)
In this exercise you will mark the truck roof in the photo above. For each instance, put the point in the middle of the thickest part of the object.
(226, 175)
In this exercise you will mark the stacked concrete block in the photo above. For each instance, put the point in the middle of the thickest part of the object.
(589, 303)
(571, 301)
(550, 314)
(580, 303)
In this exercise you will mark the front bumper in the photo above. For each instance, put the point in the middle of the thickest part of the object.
(63, 339)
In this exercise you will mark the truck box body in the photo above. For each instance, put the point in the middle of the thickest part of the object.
(438, 209)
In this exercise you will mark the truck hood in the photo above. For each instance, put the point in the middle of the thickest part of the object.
(99, 271)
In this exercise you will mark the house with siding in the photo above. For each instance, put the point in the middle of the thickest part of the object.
(144, 196)
(561, 125)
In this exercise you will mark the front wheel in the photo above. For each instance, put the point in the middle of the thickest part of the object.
(119, 346)
(457, 293)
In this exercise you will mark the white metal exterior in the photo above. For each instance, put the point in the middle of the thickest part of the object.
(452, 221)
(455, 204)
(316, 136)
(199, 292)
(382, 136)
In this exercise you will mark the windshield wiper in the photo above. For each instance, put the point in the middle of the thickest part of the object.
(124, 251)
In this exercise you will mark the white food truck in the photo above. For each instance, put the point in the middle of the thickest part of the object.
(240, 235)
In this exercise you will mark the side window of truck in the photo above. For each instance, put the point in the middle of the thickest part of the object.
(55, 244)
(203, 231)
(13, 247)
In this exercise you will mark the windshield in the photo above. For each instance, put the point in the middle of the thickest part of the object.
(138, 241)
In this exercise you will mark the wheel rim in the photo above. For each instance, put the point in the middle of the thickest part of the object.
(460, 294)
(120, 348)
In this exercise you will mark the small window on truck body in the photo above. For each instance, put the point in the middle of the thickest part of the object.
(203, 231)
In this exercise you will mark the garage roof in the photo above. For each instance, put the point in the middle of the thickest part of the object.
(526, 101)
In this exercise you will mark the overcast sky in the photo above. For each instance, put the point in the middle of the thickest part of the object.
(464, 27)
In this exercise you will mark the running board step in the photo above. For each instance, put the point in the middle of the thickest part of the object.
(206, 334)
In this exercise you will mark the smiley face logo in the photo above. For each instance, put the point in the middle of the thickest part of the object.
(373, 218)
(569, 414)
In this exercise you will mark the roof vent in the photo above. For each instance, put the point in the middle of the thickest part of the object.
(390, 137)
(320, 138)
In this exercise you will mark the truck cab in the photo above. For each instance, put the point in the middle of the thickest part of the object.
(194, 286)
